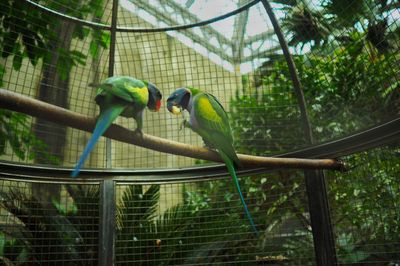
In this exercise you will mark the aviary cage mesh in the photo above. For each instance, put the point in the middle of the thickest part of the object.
(347, 57)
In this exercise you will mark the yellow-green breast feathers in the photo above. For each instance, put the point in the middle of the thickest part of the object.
(205, 109)
(211, 116)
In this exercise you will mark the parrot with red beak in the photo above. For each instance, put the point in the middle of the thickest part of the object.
(125, 96)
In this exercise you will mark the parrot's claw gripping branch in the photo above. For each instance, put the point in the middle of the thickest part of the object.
(138, 132)
(20, 103)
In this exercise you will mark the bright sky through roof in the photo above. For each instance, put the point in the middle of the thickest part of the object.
(257, 23)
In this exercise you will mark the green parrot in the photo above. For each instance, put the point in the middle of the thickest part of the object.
(125, 96)
(209, 119)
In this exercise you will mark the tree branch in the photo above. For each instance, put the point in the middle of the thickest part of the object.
(20, 103)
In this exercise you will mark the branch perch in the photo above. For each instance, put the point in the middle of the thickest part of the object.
(20, 103)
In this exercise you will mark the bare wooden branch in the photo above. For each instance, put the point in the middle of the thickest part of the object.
(21, 103)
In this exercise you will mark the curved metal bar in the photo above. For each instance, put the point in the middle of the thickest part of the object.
(43, 174)
(83, 22)
(102, 26)
(293, 73)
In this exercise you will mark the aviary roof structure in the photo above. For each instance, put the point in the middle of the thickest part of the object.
(238, 40)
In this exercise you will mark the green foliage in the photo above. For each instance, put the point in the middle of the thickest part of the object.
(184, 233)
(273, 107)
(347, 252)
(20, 37)
(69, 237)
(366, 203)
(299, 248)
(15, 132)
(349, 89)
(26, 32)
(346, 92)
(100, 39)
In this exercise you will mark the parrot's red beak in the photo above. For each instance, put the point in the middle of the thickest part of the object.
(158, 105)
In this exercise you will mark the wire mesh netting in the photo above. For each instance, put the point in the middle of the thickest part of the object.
(197, 223)
(347, 59)
(58, 224)
(365, 208)
(348, 72)
(190, 223)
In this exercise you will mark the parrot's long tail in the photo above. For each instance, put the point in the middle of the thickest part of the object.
(231, 170)
(103, 122)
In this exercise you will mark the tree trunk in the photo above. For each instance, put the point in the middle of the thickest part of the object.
(54, 89)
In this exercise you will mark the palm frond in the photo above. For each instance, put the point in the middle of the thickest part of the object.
(305, 25)
(86, 220)
(40, 223)
(135, 212)
(377, 35)
(346, 12)
(137, 205)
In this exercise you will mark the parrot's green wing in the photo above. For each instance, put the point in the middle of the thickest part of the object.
(116, 96)
(213, 124)
(125, 88)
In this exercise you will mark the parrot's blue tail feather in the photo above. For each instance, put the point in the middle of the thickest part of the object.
(103, 122)
(231, 170)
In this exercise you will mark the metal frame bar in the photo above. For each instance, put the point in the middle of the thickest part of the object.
(293, 72)
(373, 137)
(107, 187)
(238, 35)
(107, 223)
(318, 203)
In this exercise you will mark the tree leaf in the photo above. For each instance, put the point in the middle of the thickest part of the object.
(10, 40)
(30, 46)
(17, 61)
(94, 49)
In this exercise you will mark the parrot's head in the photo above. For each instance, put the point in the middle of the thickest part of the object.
(178, 100)
(155, 97)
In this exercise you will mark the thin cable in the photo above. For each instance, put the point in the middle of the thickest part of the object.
(102, 26)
